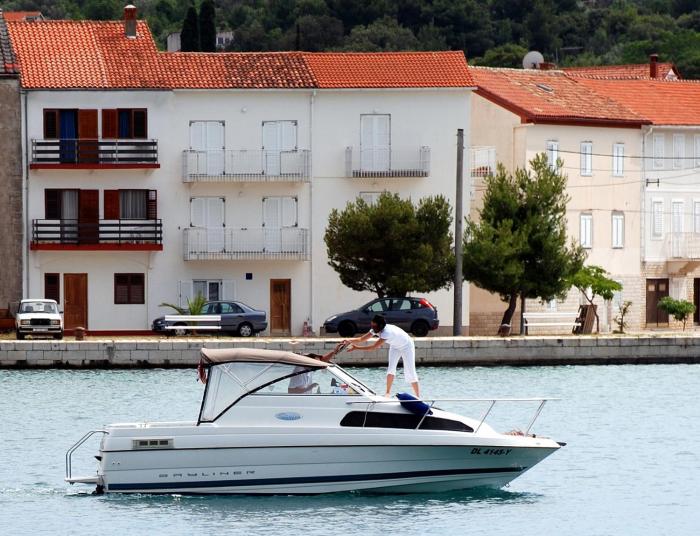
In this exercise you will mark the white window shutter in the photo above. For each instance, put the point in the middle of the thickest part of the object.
(198, 212)
(270, 136)
(229, 289)
(215, 134)
(618, 159)
(696, 216)
(658, 151)
(271, 212)
(289, 212)
(289, 136)
(658, 215)
(184, 292)
(678, 151)
(370, 197)
(215, 212)
(552, 153)
(198, 135)
(586, 158)
(677, 210)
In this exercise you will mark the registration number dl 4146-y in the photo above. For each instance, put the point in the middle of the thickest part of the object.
(491, 452)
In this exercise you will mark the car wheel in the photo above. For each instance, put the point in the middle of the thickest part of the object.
(245, 330)
(420, 328)
(58, 336)
(180, 331)
(20, 336)
(347, 329)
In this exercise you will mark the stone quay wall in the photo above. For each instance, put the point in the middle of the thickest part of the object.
(430, 351)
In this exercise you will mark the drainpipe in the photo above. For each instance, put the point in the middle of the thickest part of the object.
(25, 197)
(312, 99)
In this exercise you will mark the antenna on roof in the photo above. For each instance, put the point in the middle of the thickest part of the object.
(532, 60)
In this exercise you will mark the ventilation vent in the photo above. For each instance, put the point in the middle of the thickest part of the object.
(141, 444)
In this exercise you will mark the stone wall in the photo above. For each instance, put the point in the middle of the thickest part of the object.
(10, 192)
(457, 351)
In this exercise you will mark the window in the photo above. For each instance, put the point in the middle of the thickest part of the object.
(133, 204)
(125, 123)
(370, 198)
(618, 159)
(657, 224)
(587, 230)
(129, 289)
(658, 151)
(586, 158)
(61, 204)
(677, 212)
(678, 150)
(231, 308)
(50, 124)
(52, 287)
(279, 212)
(696, 216)
(379, 306)
(552, 153)
(210, 290)
(618, 230)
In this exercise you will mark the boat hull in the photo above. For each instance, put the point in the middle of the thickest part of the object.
(317, 469)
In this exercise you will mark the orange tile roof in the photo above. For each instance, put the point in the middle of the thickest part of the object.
(661, 102)
(626, 72)
(96, 54)
(389, 69)
(85, 54)
(550, 97)
(197, 70)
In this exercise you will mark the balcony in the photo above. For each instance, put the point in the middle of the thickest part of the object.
(94, 154)
(387, 162)
(482, 161)
(682, 252)
(287, 243)
(116, 235)
(227, 165)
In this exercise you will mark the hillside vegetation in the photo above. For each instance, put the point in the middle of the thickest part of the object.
(491, 32)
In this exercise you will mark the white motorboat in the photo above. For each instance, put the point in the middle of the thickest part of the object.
(274, 422)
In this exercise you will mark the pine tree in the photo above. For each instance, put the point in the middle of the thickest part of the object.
(189, 37)
(207, 26)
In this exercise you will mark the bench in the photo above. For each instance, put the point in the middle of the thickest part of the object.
(187, 322)
(553, 319)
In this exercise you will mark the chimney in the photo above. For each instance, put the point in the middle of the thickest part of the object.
(653, 65)
(130, 21)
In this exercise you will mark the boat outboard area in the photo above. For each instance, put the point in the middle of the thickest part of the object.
(276, 422)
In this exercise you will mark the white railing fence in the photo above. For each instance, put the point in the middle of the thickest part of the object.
(387, 162)
(682, 246)
(228, 165)
(290, 243)
(482, 161)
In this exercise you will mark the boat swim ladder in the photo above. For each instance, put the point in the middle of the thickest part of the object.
(69, 453)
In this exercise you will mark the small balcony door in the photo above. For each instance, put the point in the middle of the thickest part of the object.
(207, 139)
(278, 137)
(278, 213)
(209, 215)
(375, 142)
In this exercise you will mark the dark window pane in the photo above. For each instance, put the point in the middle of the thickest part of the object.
(139, 128)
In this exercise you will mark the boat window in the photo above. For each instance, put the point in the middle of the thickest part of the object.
(376, 419)
(230, 381)
(316, 382)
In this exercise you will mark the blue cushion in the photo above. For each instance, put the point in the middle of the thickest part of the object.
(419, 408)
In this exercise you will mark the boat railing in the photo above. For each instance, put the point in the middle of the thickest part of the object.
(69, 453)
(431, 403)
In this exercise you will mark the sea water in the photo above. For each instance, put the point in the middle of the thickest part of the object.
(630, 466)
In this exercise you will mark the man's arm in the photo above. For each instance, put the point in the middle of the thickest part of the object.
(376, 344)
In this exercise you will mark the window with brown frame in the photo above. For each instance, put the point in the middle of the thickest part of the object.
(125, 123)
(50, 124)
(129, 289)
(52, 287)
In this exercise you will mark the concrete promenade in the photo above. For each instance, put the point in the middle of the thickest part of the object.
(437, 351)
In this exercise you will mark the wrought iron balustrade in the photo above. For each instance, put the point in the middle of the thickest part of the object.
(114, 232)
(94, 152)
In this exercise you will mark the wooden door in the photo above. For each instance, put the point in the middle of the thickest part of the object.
(88, 149)
(75, 301)
(280, 306)
(88, 216)
(656, 289)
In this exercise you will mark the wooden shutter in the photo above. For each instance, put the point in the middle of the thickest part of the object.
(110, 124)
(121, 288)
(111, 201)
(52, 204)
(139, 124)
(152, 205)
(87, 124)
(50, 124)
(52, 287)
(89, 206)
(136, 289)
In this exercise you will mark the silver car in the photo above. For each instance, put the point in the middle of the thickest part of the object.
(237, 318)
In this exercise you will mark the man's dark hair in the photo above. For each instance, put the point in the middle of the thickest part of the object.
(380, 321)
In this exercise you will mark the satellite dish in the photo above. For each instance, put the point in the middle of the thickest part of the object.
(532, 60)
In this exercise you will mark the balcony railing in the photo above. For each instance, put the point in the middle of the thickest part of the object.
(684, 246)
(75, 153)
(387, 162)
(482, 161)
(104, 234)
(227, 165)
(266, 243)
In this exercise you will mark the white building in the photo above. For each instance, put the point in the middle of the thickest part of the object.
(152, 176)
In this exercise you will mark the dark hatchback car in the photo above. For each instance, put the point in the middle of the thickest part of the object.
(416, 315)
(236, 318)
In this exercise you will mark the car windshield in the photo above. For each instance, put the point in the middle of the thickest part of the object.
(39, 307)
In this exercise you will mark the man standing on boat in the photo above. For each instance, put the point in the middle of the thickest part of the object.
(400, 347)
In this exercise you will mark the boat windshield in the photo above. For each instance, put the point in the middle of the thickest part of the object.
(229, 382)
